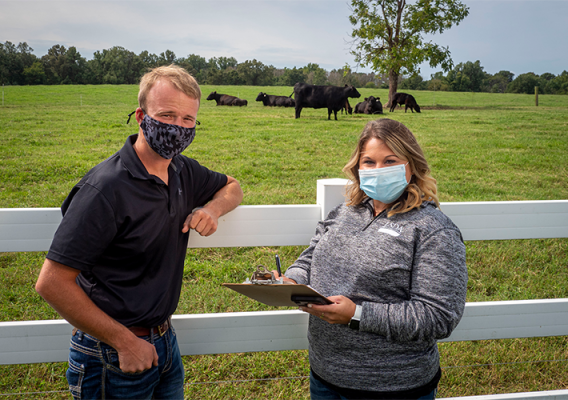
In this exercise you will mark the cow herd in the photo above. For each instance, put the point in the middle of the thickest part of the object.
(334, 98)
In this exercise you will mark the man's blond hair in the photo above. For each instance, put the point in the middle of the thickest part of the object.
(176, 75)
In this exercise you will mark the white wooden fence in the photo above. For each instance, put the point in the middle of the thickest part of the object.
(288, 225)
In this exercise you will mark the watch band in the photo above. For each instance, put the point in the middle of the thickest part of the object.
(354, 323)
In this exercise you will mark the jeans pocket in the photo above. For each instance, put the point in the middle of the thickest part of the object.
(113, 364)
(111, 358)
(75, 374)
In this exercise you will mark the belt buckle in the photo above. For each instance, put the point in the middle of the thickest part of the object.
(162, 329)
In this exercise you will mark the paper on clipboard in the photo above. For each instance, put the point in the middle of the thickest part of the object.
(278, 295)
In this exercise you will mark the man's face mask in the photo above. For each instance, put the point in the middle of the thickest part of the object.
(166, 139)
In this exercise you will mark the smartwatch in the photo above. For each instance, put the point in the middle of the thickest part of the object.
(354, 323)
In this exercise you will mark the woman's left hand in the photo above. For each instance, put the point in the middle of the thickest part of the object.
(340, 312)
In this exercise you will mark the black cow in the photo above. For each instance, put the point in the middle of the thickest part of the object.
(406, 99)
(371, 105)
(275, 101)
(226, 100)
(347, 107)
(331, 97)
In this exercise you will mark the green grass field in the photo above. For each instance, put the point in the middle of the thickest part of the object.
(481, 147)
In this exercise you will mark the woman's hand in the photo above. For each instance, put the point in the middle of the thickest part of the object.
(286, 279)
(340, 312)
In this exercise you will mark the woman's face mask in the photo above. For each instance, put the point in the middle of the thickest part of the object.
(166, 139)
(384, 184)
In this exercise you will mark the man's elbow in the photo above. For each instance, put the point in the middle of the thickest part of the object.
(43, 287)
(235, 189)
(39, 288)
(53, 279)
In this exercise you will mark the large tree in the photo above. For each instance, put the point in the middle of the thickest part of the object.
(498, 82)
(523, 83)
(291, 76)
(13, 61)
(63, 66)
(388, 35)
(255, 73)
(467, 77)
(116, 66)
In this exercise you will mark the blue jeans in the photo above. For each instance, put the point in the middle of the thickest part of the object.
(320, 391)
(94, 371)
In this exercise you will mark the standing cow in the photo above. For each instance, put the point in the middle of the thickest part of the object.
(347, 107)
(226, 100)
(331, 97)
(275, 101)
(406, 99)
(371, 105)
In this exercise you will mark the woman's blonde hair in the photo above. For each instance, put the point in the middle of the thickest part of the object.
(401, 141)
(176, 75)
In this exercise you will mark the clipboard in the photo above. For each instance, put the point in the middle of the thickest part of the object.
(279, 295)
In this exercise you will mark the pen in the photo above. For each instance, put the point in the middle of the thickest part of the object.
(278, 265)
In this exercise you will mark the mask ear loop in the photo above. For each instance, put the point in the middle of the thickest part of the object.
(130, 115)
(411, 174)
(133, 112)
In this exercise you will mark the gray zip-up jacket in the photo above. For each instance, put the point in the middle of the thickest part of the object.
(409, 274)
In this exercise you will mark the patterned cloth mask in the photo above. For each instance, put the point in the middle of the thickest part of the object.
(166, 139)
(384, 184)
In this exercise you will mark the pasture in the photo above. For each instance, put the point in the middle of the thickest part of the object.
(481, 147)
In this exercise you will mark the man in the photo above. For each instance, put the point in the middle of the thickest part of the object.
(114, 269)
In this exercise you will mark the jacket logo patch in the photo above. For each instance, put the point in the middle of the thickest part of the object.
(389, 232)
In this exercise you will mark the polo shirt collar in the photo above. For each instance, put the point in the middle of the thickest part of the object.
(134, 165)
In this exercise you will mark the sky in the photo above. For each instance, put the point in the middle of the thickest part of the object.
(513, 35)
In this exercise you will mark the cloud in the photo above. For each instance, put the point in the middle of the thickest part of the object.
(519, 36)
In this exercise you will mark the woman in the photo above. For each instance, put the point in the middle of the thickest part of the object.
(394, 266)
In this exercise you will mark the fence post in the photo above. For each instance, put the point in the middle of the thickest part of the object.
(330, 193)
(536, 96)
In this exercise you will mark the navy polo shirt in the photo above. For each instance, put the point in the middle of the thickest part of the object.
(121, 228)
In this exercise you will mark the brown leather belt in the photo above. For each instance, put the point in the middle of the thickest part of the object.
(160, 329)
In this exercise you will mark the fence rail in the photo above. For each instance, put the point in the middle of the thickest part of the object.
(288, 225)
(25, 229)
(27, 342)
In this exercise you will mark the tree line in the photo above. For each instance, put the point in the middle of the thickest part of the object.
(470, 77)
(117, 65)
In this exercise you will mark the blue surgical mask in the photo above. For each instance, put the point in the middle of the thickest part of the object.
(384, 184)
(166, 139)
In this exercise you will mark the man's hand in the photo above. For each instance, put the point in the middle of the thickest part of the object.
(138, 356)
(202, 220)
(205, 220)
(56, 284)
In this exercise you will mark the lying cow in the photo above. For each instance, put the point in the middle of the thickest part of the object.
(275, 101)
(331, 97)
(371, 105)
(226, 100)
(406, 99)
